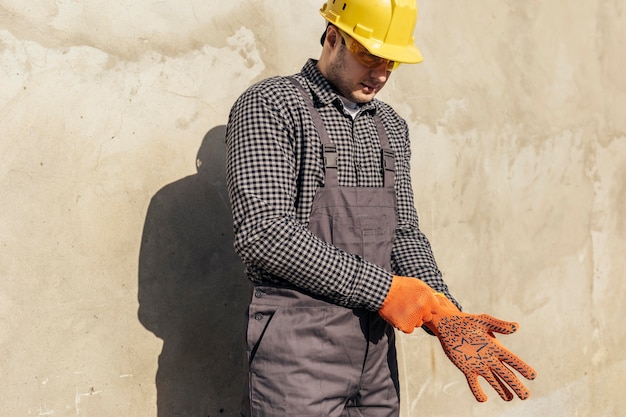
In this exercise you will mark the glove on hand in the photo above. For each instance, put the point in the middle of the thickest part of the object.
(470, 344)
(409, 303)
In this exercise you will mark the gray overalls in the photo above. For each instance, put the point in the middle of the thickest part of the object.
(311, 358)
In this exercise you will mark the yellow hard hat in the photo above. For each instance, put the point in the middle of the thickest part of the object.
(384, 27)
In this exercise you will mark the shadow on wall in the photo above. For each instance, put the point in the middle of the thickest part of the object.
(193, 292)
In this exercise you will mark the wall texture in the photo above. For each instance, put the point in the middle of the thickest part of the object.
(119, 292)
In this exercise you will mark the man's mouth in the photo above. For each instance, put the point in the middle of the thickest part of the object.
(369, 88)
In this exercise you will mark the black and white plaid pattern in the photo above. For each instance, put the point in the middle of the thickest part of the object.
(274, 167)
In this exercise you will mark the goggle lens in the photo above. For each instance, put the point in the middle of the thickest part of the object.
(364, 56)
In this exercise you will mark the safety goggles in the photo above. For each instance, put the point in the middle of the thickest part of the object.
(364, 56)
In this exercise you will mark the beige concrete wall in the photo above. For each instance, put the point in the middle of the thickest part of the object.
(518, 120)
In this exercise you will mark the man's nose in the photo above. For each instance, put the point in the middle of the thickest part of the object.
(380, 72)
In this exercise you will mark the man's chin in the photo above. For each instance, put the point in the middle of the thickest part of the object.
(363, 96)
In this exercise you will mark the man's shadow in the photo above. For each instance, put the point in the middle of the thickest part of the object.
(193, 292)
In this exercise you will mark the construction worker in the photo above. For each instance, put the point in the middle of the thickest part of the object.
(319, 181)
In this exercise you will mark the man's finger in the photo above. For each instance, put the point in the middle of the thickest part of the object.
(479, 394)
(505, 374)
(516, 363)
(493, 324)
(497, 384)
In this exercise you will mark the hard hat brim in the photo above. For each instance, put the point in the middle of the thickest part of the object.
(406, 54)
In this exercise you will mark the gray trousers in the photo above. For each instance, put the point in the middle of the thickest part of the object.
(310, 358)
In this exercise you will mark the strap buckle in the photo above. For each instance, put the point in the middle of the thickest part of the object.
(388, 160)
(330, 155)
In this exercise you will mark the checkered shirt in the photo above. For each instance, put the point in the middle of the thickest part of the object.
(274, 166)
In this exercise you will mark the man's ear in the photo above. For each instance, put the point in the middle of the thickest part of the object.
(332, 36)
(323, 37)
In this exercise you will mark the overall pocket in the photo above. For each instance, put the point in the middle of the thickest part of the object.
(368, 237)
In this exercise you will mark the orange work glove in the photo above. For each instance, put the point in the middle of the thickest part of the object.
(409, 303)
(469, 342)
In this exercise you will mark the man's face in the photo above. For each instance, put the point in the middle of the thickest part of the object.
(347, 72)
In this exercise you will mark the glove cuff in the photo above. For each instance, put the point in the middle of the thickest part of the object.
(445, 308)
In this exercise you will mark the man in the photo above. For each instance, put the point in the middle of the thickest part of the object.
(319, 181)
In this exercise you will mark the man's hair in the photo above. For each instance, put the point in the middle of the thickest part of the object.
(323, 38)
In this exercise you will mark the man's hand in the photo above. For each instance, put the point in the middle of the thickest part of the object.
(409, 304)
(469, 342)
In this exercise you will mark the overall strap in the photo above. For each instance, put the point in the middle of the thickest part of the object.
(329, 148)
(387, 160)
(387, 155)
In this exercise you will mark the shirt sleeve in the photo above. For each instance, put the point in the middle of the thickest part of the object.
(412, 254)
(262, 178)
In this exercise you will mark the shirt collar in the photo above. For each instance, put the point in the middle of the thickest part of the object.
(323, 93)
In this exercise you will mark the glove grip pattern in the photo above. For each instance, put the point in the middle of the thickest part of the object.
(469, 343)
